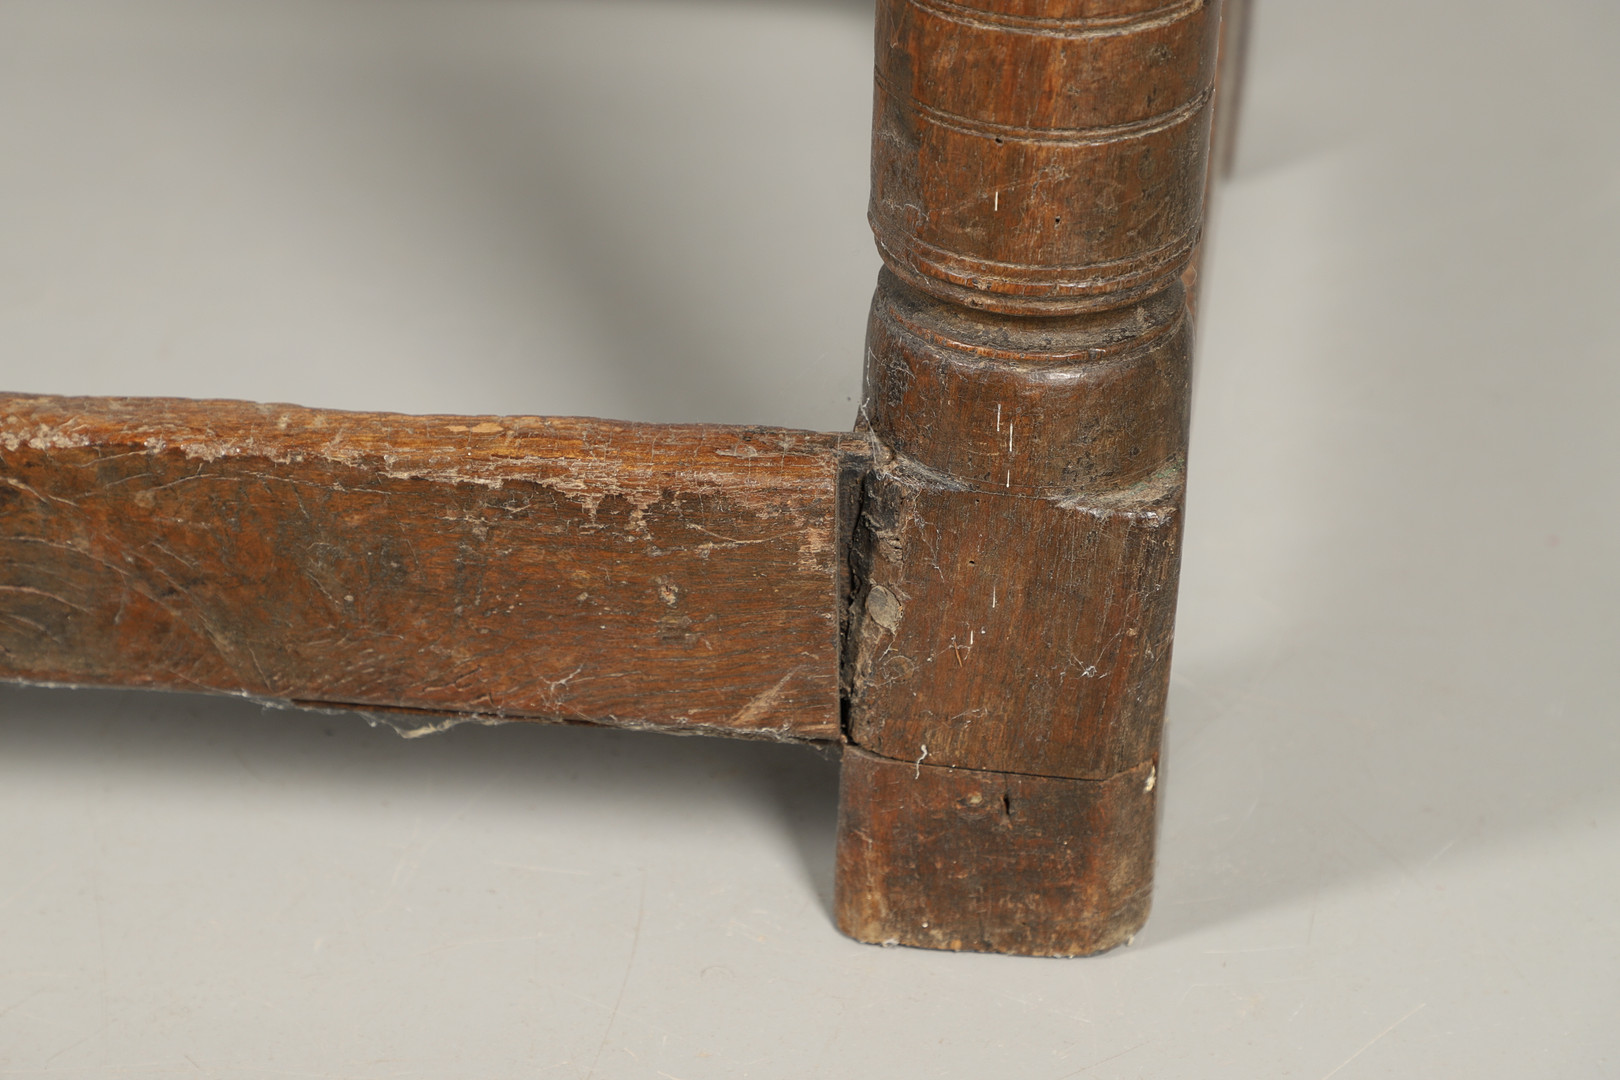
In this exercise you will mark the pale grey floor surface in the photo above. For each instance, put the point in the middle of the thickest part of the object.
(1392, 821)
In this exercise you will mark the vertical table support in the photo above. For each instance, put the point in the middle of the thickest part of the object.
(1038, 172)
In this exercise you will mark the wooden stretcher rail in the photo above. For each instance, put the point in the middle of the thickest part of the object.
(680, 577)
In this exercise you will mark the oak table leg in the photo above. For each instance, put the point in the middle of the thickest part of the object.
(1037, 185)
(976, 593)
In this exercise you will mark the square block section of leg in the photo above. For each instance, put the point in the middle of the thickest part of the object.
(964, 859)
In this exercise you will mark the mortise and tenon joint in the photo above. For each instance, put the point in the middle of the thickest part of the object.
(974, 595)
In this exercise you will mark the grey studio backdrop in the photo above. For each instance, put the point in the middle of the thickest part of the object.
(1391, 840)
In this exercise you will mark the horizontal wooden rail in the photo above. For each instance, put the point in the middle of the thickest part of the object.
(680, 577)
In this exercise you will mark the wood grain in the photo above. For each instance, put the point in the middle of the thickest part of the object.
(1046, 407)
(1041, 157)
(977, 592)
(1019, 634)
(1038, 179)
(684, 578)
(993, 862)
(1017, 553)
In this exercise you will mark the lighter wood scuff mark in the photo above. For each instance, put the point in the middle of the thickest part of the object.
(763, 702)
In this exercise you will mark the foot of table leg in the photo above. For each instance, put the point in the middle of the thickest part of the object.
(965, 859)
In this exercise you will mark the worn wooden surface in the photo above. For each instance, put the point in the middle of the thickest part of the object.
(1018, 553)
(993, 861)
(1038, 177)
(1044, 407)
(1001, 632)
(977, 593)
(1040, 156)
(679, 577)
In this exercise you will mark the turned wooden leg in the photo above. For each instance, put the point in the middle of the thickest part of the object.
(1038, 180)
(977, 594)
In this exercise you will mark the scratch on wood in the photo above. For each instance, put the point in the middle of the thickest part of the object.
(761, 703)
